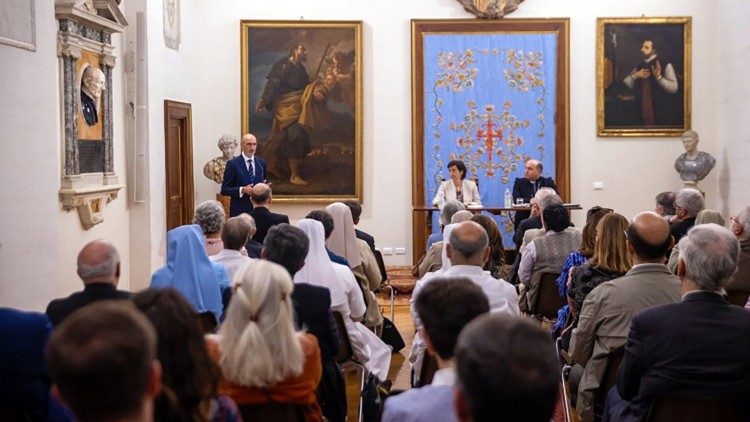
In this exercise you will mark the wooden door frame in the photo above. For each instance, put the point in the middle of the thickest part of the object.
(177, 109)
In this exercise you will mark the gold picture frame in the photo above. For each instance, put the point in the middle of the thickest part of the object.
(324, 111)
(643, 70)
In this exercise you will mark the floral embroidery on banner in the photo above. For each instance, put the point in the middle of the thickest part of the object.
(525, 74)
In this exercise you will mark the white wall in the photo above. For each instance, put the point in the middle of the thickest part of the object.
(633, 170)
(732, 105)
(39, 241)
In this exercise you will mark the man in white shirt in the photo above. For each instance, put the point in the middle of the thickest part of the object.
(234, 235)
(467, 249)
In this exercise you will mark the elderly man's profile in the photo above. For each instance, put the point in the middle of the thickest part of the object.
(92, 86)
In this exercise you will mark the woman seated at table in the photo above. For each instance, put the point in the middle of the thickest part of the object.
(457, 187)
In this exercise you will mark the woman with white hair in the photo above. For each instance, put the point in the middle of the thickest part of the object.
(210, 216)
(263, 359)
(346, 298)
(343, 241)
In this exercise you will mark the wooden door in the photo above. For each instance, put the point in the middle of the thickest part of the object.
(178, 163)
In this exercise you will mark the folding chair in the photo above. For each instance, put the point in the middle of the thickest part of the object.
(570, 413)
(614, 359)
(548, 299)
(345, 356)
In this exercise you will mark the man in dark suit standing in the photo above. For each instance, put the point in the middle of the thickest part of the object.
(99, 268)
(526, 187)
(260, 196)
(694, 348)
(241, 174)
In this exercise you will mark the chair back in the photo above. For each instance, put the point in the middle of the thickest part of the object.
(694, 409)
(381, 265)
(273, 411)
(548, 300)
(614, 359)
(737, 297)
(345, 353)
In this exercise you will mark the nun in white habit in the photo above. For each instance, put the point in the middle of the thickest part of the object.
(346, 298)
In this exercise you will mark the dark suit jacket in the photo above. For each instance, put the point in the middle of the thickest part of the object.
(264, 220)
(236, 175)
(59, 309)
(253, 248)
(697, 347)
(337, 258)
(312, 306)
(529, 223)
(681, 228)
(524, 188)
(366, 237)
(24, 383)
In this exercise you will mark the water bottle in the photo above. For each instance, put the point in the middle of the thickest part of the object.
(508, 198)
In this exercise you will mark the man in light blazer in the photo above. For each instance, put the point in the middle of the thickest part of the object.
(241, 173)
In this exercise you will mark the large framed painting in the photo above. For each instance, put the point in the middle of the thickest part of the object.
(493, 94)
(301, 84)
(643, 76)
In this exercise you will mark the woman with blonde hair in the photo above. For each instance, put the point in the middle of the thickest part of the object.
(609, 261)
(262, 357)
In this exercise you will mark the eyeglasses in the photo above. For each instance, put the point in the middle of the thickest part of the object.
(734, 220)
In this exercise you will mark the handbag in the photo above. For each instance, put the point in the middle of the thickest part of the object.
(391, 336)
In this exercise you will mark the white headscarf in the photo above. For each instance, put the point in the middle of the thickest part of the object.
(343, 240)
(318, 268)
(446, 262)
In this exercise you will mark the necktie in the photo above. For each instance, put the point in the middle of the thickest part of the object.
(251, 169)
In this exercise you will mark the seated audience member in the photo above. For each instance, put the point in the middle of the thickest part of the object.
(545, 201)
(263, 358)
(740, 280)
(547, 253)
(696, 347)
(665, 205)
(99, 268)
(445, 306)
(103, 364)
(346, 298)
(588, 240)
(234, 234)
(327, 221)
(605, 317)
(288, 246)
(526, 187)
(24, 382)
(688, 203)
(505, 370)
(496, 260)
(446, 215)
(534, 221)
(703, 217)
(457, 188)
(190, 378)
(610, 261)
(361, 260)
(252, 247)
(210, 216)
(468, 249)
(430, 262)
(191, 273)
(461, 216)
(356, 210)
(261, 197)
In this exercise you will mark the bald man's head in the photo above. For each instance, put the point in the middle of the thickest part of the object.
(99, 262)
(532, 170)
(261, 194)
(649, 237)
(468, 245)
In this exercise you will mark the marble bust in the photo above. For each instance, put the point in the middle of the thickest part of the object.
(214, 169)
(93, 84)
(693, 165)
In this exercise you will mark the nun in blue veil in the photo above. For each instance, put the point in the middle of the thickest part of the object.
(190, 272)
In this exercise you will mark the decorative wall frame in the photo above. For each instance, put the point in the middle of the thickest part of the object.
(18, 24)
(492, 93)
(490, 9)
(172, 24)
(84, 46)
(643, 68)
(324, 106)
